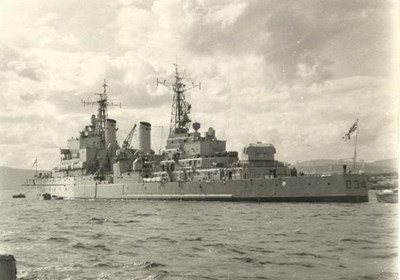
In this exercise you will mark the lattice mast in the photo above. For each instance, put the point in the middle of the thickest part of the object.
(180, 120)
(103, 103)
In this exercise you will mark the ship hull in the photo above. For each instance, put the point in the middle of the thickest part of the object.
(335, 188)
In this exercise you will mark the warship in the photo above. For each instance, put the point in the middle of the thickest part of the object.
(193, 166)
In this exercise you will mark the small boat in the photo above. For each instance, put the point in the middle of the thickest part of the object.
(20, 195)
(45, 196)
(387, 196)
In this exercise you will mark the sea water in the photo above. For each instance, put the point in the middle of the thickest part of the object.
(115, 239)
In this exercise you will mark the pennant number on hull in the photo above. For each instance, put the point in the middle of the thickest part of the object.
(355, 184)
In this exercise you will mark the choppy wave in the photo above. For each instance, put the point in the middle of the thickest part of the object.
(199, 240)
(58, 239)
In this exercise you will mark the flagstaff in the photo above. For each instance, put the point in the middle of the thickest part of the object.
(355, 147)
(35, 164)
(347, 137)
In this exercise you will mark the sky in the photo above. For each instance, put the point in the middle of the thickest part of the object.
(293, 73)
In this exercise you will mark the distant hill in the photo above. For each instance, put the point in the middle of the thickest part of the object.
(386, 163)
(13, 178)
(318, 162)
(335, 166)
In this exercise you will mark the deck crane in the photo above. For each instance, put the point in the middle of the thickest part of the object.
(128, 140)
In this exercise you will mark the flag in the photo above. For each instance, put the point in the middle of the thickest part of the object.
(352, 131)
(34, 162)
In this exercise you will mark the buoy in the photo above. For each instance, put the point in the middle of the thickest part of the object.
(8, 267)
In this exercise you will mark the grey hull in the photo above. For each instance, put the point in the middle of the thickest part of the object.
(336, 188)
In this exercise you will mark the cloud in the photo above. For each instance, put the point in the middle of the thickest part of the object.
(295, 73)
(29, 73)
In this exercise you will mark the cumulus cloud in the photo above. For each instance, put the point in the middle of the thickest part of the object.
(295, 73)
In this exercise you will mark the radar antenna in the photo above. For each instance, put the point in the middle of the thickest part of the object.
(180, 107)
(103, 102)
